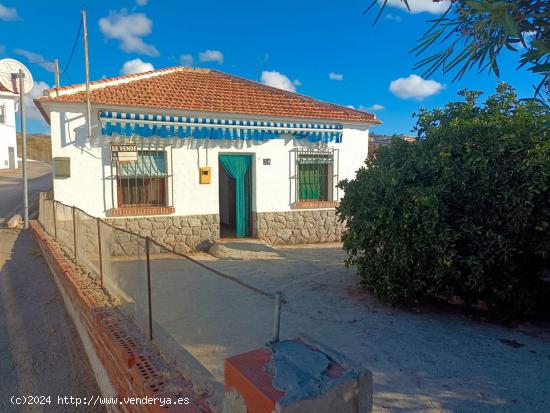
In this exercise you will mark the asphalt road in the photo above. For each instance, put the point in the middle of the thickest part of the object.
(40, 351)
(11, 188)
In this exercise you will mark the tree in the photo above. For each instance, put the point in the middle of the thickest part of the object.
(463, 212)
(473, 33)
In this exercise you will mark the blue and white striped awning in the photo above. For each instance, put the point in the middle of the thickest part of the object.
(144, 125)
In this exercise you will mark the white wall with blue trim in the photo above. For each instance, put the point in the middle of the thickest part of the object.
(90, 187)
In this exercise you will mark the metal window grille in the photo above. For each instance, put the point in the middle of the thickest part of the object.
(316, 173)
(2, 114)
(147, 181)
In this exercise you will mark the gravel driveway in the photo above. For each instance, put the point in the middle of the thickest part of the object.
(422, 361)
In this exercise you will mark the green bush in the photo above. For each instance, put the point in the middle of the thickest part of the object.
(464, 212)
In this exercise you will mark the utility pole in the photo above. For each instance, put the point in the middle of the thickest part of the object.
(56, 70)
(87, 65)
(24, 146)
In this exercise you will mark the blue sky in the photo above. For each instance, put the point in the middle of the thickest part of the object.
(324, 49)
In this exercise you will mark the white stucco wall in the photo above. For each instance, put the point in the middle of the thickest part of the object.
(7, 131)
(90, 187)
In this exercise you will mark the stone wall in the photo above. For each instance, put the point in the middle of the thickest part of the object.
(298, 226)
(183, 233)
(188, 233)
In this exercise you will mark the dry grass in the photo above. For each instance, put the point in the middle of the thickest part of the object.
(38, 147)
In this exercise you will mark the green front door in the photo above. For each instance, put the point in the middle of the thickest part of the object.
(238, 167)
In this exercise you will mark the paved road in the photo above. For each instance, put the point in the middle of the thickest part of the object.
(40, 350)
(11, 187)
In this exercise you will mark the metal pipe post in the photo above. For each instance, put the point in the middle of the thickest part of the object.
(56, 72)
(87, 67)
(23, 111)
(100, 253)
(149, 303)
(54, 220)
(74, 232)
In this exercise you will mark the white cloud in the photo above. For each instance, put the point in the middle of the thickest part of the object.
(8, 13)
(414, 87)
(278, 80)
(211, 56)
(37, 58)
(135, 66)
(419, 6)
(297, 82)
(375, 107)
(186, 60)
(141, 2)
(335, 76)
(36, 91)
(371, 108)
(129, 30)
(394, 17)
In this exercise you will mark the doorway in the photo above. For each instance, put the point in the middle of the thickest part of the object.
(235, 195)
(11, 157)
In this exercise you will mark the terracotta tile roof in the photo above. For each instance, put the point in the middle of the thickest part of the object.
(3, 89)
(203, 90)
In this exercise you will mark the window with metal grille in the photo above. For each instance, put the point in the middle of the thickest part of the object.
(315, 174)
(144, 182)
(2, 114)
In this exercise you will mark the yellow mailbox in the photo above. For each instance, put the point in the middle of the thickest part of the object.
(205, 174)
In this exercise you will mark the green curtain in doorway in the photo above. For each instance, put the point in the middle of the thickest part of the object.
(237, 167)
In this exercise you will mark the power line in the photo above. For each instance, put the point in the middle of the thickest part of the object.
(73, 49)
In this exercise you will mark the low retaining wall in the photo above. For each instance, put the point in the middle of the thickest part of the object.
(298, 226)
(188, 233)
(183, 233)
(125, 363)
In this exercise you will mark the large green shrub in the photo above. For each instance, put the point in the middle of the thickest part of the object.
(464, 212)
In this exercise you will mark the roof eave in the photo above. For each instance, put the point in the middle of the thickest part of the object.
(103, 106)
(43, 112)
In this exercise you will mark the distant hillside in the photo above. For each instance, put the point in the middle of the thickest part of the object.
(38, 147)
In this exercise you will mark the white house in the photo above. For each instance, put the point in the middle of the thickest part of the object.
(8, 143)
(186, 155)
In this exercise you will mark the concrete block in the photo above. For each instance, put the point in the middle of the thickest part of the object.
(297, 376)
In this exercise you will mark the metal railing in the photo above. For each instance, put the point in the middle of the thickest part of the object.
(161, 288)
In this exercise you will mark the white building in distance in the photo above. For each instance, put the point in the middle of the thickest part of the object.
(8, 142)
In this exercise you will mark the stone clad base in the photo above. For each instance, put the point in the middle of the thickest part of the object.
(183, 233)
(188, 233)
(298, 227)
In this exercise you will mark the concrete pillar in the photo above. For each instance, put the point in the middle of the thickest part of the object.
(296, 376)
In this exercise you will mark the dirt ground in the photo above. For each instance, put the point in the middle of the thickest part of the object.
(40, 350)
(422, 361)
